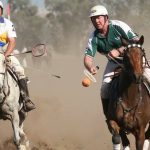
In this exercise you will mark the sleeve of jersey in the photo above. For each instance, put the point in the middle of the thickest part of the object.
(125, 31)
(91, 47)
(11, 30)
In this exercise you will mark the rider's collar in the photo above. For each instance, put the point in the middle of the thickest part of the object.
(98, 34)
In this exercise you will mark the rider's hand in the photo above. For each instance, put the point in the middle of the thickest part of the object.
(93, 70)
(8, 61)
(114, 53)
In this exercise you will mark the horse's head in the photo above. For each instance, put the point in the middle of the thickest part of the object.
(133, 58)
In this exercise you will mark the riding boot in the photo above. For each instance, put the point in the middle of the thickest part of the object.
(28, 104)
(105, 103)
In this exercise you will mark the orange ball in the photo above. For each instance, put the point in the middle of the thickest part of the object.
(86, 82)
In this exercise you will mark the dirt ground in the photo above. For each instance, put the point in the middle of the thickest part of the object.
(68, 116)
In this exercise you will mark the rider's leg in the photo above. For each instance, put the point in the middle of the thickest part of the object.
(29, 105)
(16, 66)
(107, 78)
(105, 98)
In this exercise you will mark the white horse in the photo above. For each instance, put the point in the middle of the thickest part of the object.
(11, 106)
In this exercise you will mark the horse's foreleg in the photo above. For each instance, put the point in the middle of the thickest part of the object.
(15, 125)
(140, 137)
(24, 140)
(125, 141)
(22, 116)
(116, 138)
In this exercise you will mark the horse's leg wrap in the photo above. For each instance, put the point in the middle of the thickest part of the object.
(28, 104)
(116, 139)
(126, 148)
(146, 144)
(116, 146)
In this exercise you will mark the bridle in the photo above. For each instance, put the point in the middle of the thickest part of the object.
(139, 82)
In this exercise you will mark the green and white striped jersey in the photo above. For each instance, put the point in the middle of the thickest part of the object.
(117, 30)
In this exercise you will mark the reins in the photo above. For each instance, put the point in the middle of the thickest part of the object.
(115, 60)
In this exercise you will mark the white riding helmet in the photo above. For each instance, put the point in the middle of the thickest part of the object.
(98, 10)
(1, 5)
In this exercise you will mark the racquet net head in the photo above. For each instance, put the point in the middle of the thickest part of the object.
(39, 50)
(89, 75)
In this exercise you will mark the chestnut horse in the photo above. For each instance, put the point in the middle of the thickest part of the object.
(129, 107)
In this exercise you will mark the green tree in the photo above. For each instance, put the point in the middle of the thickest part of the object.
(66, 25)
(28, 23)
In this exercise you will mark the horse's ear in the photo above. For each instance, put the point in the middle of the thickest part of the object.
(124, 42)
(141, 40)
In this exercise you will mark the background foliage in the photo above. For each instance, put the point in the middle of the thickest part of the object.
(64, 24)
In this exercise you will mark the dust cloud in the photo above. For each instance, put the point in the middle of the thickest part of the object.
(68, 116)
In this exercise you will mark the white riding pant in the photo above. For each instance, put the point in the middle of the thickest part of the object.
(16, 67)
(108, 74)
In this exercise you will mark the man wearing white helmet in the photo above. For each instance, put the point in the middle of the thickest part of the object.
(8, 39)
(106, 39)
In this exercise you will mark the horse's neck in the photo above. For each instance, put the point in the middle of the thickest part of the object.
(125, 78)
(10, 88)
(9, 82)
(128, 87)
(125, 82)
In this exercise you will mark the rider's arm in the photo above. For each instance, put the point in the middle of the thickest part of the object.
(88, 63)
(10, 47)
(116, 52)
(11, 37)
(90, 52)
